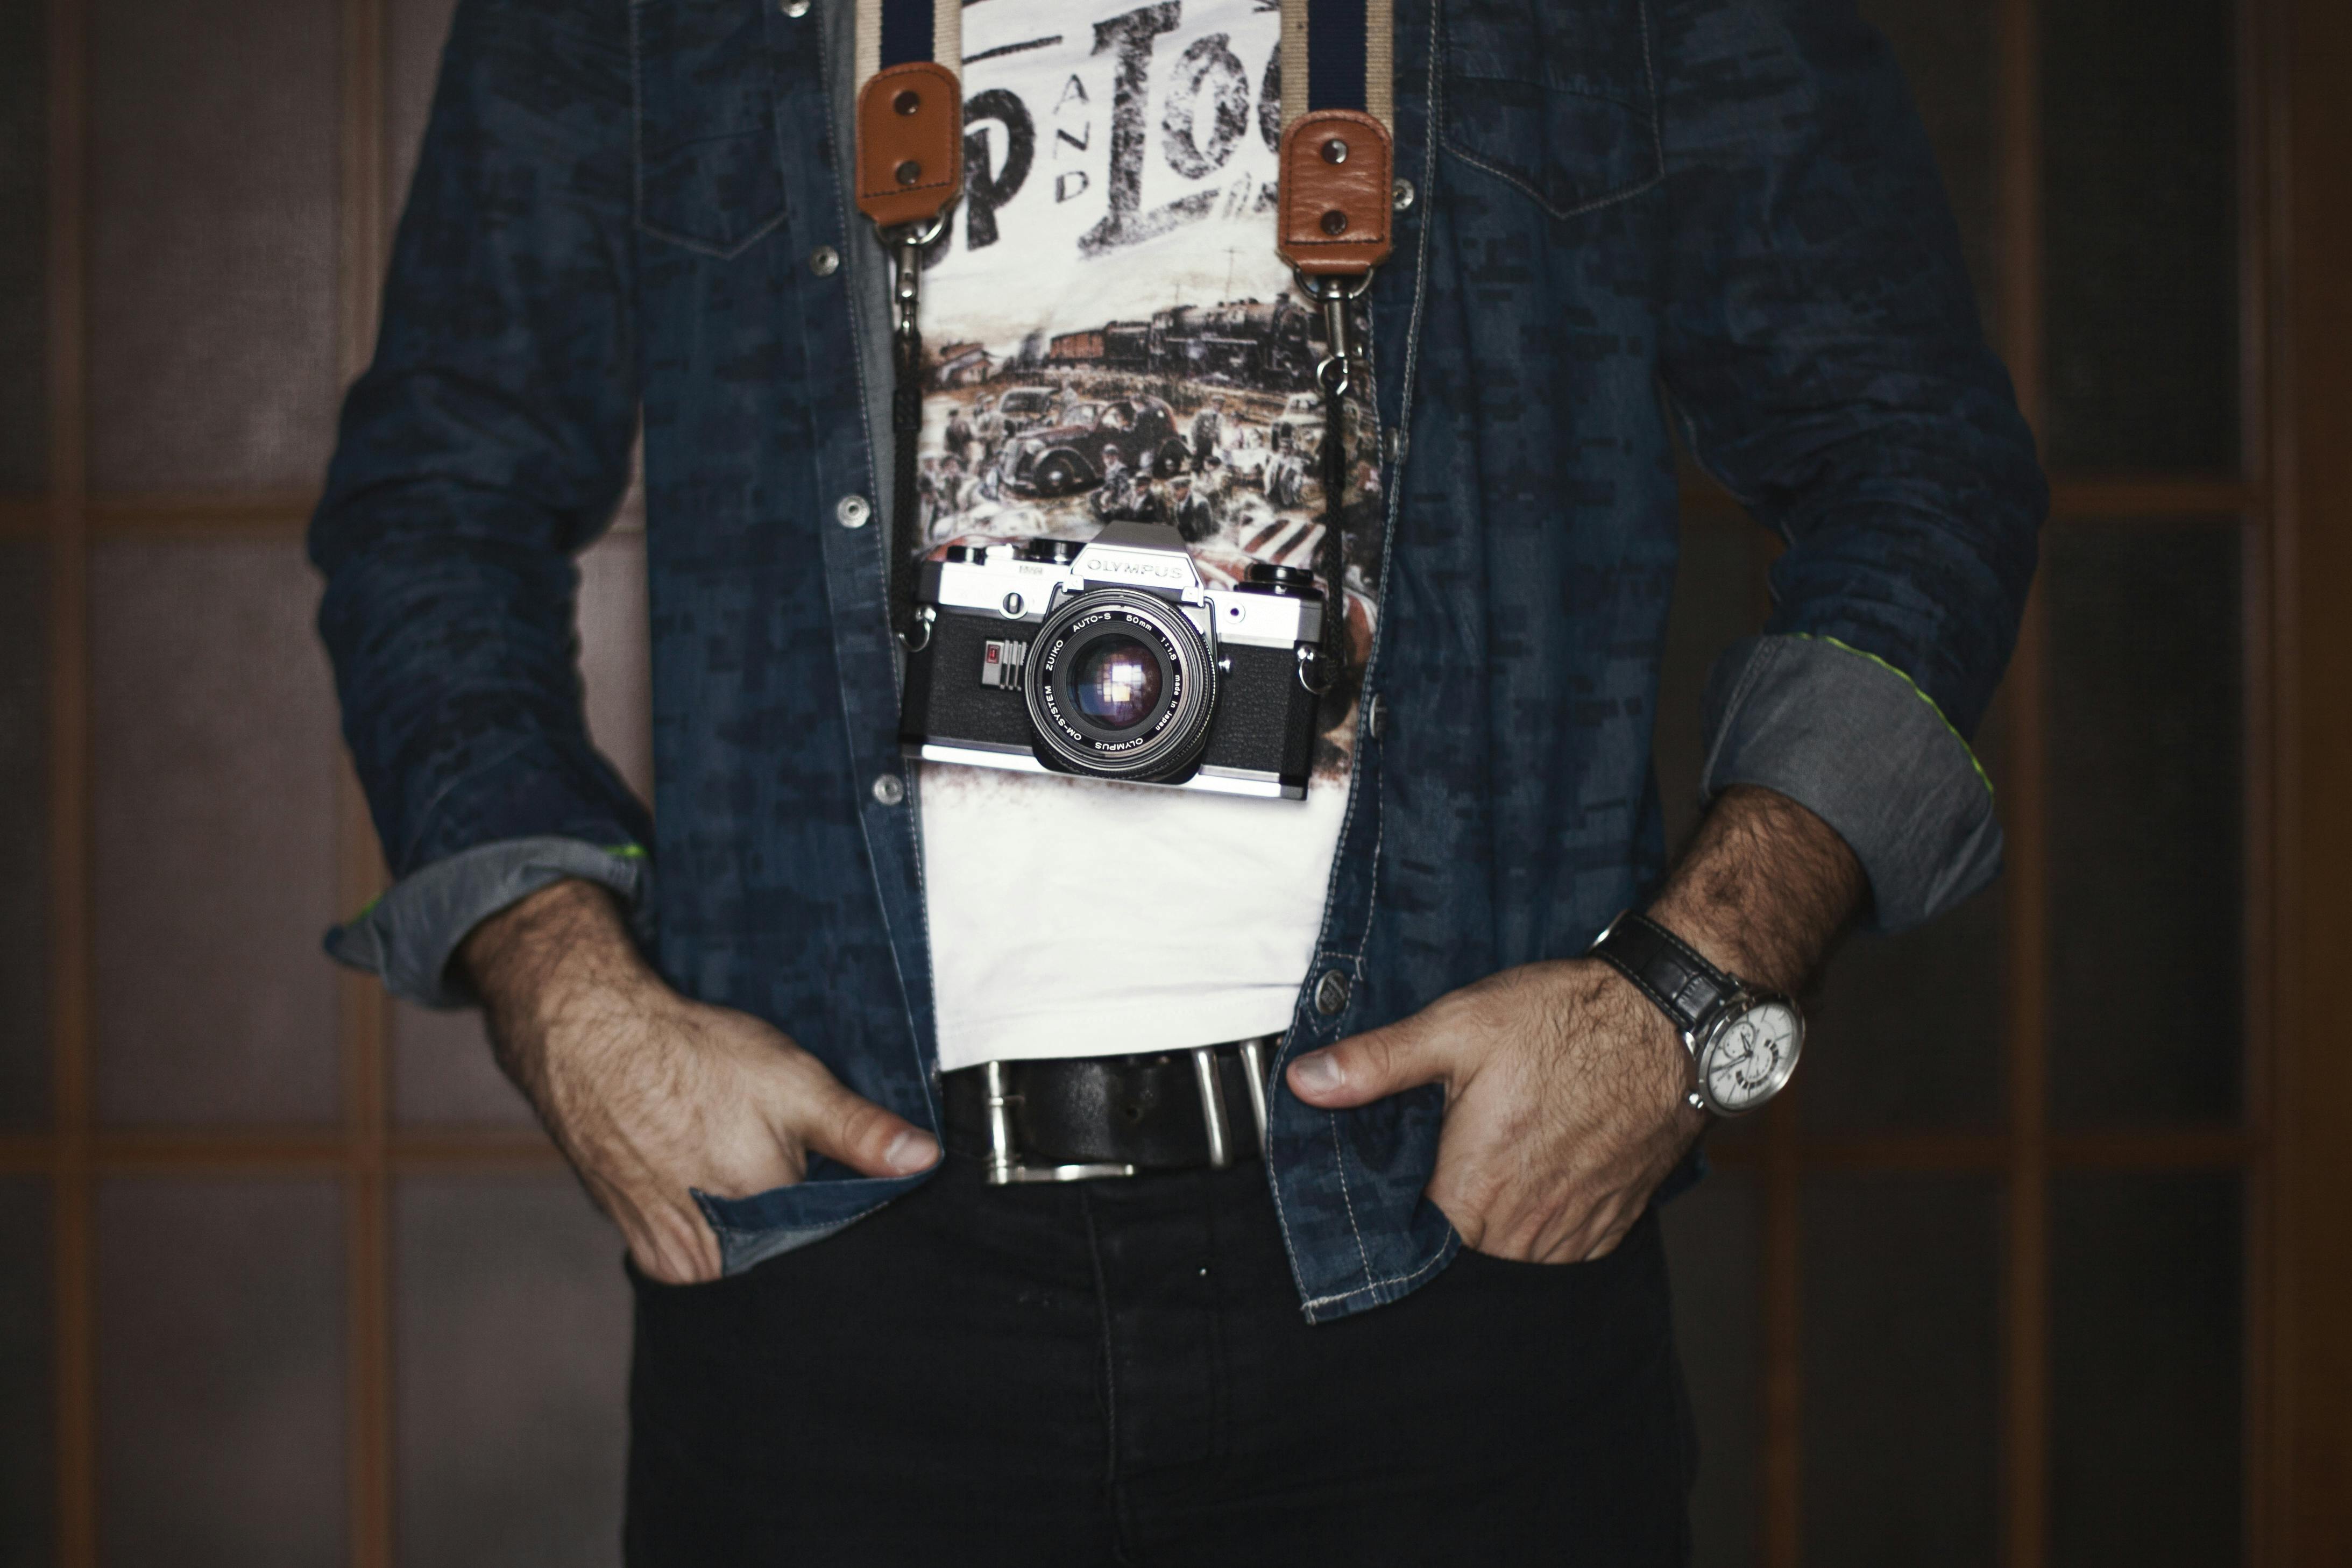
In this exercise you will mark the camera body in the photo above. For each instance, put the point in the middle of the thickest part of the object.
(1111, 660)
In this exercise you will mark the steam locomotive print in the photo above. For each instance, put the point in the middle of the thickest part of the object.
(1244, 343)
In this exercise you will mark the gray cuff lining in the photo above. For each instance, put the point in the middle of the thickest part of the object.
(408, 935)
(1854, 742)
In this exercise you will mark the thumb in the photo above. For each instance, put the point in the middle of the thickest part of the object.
(1371, 1066)
(832, 1121)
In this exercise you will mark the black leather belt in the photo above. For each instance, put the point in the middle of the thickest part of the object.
(1076, 1118)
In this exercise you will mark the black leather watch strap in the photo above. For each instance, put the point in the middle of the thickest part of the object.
(1664, 968)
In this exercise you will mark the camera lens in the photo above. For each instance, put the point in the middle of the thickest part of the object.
(1115, 682)
(1120, 684)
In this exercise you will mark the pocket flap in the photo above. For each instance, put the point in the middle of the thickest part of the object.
(1559, 100)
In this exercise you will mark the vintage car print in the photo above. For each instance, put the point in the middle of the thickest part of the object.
(1137, 435)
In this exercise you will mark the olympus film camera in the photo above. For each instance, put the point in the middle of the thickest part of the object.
(1111, 660)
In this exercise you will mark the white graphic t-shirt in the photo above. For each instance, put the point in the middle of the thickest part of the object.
(1110, 335)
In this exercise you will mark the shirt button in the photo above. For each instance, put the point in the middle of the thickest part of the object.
(1331, 994)
(1401, 194)
(795, 9)
(889, 788)
(852, 511)
(825, 261)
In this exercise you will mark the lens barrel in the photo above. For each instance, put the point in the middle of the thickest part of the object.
(1120, 684)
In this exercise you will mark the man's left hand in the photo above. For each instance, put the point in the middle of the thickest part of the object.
(1564, 1104)
(1564, 1086)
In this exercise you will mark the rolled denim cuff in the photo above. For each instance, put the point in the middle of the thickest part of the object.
(408, 934)
(1848, 736)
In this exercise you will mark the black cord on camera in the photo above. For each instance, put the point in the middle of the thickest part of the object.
(1331, 551)
(906, 430)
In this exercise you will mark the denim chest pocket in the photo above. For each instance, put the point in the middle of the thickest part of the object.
(708, 174)
(1555, 97)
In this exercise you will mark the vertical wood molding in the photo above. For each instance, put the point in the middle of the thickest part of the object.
(363, 1013)
(2025, 1281)
(2309, 58)
(74, 1351)
(2257, 155)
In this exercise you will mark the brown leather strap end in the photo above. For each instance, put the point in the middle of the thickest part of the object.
(909, 144)
(1337, 179)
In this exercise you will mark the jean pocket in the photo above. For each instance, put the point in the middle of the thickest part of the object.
(1559, 101)
(709, 176)
(769, 1224)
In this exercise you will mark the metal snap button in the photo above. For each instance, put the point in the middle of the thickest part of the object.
(889, 788)
(851, 511)
(825, 261)
(1335, 221)
(1401, 194)
(1331, 994)
(795, 9)
(1335, 151)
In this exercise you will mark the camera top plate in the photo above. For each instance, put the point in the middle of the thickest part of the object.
(1149, 558)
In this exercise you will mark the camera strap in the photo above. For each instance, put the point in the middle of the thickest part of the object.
(1332, 226)
(910, 171)
(1332, 219)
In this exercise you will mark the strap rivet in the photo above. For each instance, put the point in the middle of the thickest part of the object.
(1335, 221)
(907, 102)
(1335, 151)
(910, 171)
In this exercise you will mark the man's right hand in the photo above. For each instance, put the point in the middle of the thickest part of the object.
(649, 1094)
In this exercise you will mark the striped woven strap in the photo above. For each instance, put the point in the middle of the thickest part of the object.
(909, 110)
(1338, 106)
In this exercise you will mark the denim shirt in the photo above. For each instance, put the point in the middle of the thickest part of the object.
(1722, 213)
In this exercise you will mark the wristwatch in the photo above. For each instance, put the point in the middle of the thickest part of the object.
(1744, 1041)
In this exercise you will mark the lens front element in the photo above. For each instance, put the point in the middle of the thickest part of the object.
(1119, 686)
(1115, 681)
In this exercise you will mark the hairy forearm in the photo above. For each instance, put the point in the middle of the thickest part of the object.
(543, 957)
(1763, 890)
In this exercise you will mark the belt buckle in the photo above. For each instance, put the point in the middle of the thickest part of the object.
(1005, 1166)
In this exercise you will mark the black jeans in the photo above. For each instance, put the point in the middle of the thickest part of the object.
(1117, 1373)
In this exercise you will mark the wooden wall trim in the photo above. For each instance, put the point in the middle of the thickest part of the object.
(2308, 56)
(363, 1012)
(73, 1351)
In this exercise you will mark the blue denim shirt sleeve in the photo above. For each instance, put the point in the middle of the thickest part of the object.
(408, 935)
(1822, 347)
(487, 444)
(1853, 741)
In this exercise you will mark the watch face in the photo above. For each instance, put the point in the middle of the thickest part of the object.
(1750, 1056)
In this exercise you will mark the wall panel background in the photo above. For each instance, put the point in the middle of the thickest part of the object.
(214, 736)
(511, 1337)
(220, 1386)
(212, 236)
(25, 1064)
